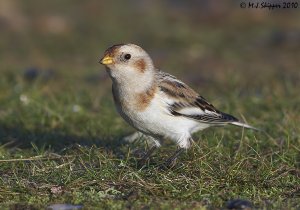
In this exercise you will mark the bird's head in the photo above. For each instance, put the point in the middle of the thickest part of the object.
(127, 62)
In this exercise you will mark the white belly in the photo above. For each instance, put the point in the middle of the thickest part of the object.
(157, 122)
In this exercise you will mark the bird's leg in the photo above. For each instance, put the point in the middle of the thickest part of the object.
(155, 144)
(170, 162)
(147, 155)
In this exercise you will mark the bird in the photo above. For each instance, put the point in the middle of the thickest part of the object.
(156, 103)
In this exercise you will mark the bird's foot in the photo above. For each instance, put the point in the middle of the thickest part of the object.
(168, 164)
(146, 156)
(171, 161)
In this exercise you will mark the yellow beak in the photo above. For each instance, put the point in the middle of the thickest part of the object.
(106, 60)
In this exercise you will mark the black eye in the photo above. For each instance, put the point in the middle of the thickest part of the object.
(127, 56)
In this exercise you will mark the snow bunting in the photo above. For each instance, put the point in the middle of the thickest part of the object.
(156, 103)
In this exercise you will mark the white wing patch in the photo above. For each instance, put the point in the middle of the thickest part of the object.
(191, 111)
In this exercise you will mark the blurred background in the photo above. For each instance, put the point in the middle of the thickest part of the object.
(56, 103)
(49, 51)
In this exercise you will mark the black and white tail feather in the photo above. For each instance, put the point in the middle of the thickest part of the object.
(185, 102)
(244, 125)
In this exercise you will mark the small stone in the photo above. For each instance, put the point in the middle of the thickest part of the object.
(64, 207)
(239, 204)
(31, 73)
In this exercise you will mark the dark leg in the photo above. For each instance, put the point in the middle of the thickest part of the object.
(147, 155)
(170, 162)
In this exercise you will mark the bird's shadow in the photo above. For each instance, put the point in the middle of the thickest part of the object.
(56, 140)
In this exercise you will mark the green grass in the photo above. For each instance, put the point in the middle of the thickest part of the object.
(60, 136)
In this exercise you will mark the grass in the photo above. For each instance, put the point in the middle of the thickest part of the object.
(60, 137)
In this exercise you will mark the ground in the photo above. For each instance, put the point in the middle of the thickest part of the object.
(60, 136)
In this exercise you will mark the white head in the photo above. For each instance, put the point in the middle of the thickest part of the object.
(128, 64)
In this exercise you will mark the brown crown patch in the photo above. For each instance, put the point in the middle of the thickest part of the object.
(144, 99)
(140, 65)
(112, 50)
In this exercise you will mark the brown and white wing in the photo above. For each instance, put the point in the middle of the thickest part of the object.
(184, 101)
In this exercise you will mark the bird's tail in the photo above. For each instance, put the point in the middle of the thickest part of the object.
(244, 125)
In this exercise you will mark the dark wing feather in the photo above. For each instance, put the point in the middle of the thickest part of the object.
(185, 102)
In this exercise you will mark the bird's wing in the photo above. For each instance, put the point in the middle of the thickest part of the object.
(184, 101)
